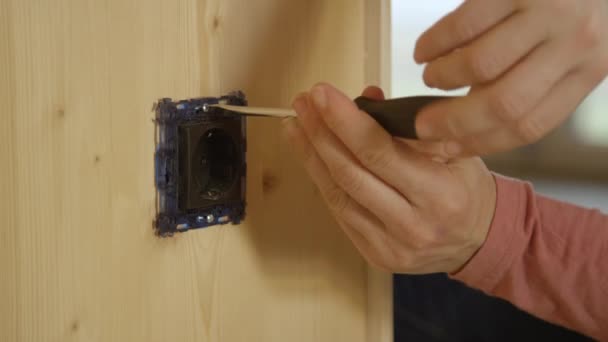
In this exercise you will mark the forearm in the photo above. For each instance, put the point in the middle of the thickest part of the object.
(546, 257)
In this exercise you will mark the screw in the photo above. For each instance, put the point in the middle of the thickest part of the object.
(210, 218)
(213, 194)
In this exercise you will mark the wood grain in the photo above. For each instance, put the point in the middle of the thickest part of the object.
(377, 72)
(78, 257)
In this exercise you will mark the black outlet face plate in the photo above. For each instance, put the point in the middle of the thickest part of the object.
(200, 162)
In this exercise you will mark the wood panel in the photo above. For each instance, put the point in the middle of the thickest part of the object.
(78, 258)
(378, 71)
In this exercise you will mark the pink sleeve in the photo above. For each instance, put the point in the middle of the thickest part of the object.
(547, 257)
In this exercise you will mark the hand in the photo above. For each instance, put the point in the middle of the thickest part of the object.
(404, 211)
(530, 62)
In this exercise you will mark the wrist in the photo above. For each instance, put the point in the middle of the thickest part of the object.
(487, 211)
(483, 222)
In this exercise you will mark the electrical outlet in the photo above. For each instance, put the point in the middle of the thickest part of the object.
(200, 162)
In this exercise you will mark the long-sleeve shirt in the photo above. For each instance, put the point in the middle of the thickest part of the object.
(547, 257)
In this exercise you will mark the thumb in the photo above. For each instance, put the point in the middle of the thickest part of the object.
(373, 92)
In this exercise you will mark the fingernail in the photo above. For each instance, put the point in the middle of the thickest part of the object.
(453, 148)
(319, 98)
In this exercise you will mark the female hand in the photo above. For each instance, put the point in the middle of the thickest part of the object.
(530, 63)
(404, 211)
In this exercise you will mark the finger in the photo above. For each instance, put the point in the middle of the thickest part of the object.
(563, 100)
(364, 187)
(410, 173)
(502, 103)
(470, 20)
(490, 55)
(373, 92)
(366, 231)
(353, 217)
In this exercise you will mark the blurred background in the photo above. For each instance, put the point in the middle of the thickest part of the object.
(570, 164)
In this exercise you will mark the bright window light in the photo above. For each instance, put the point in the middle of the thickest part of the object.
(409, 20)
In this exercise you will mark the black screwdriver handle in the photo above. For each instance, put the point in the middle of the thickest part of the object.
(397, 116)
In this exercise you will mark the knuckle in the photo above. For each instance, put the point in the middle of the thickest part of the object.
(463, 29)
(506, 106)
(338, 200)
(530, 130)
(590, 31)
(483, 67)
(347, 177)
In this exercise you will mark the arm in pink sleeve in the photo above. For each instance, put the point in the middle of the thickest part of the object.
(547, 257)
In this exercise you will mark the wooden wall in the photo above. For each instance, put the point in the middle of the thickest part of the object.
(78, 257)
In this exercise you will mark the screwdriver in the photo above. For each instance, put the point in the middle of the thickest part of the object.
(397, 116)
